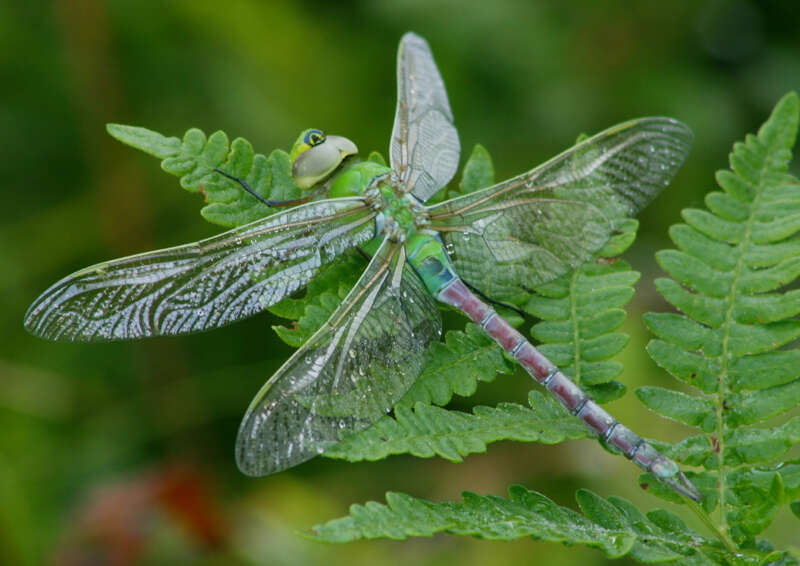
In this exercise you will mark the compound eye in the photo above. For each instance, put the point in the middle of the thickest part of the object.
(314, 137)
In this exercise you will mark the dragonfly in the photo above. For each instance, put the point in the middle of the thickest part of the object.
(520, 233)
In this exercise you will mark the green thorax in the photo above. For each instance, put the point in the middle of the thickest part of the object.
(400, 215)
(401, 218)
(356, 179)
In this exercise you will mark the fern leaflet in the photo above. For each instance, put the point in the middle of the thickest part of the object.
(194, 158)
(426, 430)
(732, 261)
(612, 525)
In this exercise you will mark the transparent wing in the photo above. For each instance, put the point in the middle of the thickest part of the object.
(534, 227)
(201, 285)
(424, 148)
(348, 374)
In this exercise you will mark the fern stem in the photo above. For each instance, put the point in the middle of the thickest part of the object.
(722, 386)
(721, 536)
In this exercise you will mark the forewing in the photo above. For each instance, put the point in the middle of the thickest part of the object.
(201, 285)
(534, 227)
(348, 374)
(424, 148)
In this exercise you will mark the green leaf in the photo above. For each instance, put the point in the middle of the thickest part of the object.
(715, 254)
(763, 280)
(757, 510)
(680, 330)
(679, 406)
(729, 275)
(194, 159)
(622, 240)
(320, 298)
(613, 526)
(726, 206)
(710, 311)
(427, 431)
(694, 451)
(145, 140)
(689, 367)
(764, 370)
(478, 172)
(747, 445)
(729, 280)
(694, 272)
(713, 226)
(760, 405)
(580, 312)
(456, 366)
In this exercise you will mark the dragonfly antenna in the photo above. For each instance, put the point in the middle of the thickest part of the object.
(244, 185)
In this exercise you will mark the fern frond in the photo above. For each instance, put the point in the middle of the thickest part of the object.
(321, 297)
(727, 278)
(456, 365)
(612, 525)
(579, 313)
(194, 158)
(478, 173)
(425, 430)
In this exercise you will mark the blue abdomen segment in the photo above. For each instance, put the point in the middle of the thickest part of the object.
(431, 262)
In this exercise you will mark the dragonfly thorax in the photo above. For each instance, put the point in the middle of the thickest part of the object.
(400, 213)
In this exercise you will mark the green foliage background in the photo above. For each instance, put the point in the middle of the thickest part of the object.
(81, 425)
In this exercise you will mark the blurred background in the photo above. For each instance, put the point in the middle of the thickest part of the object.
(123, 453)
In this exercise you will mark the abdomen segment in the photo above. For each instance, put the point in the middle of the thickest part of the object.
(572, 397)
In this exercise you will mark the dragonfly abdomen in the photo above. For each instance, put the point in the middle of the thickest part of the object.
(571, 397)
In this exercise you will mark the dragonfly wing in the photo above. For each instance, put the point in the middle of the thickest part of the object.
(526, 244)
(348, 374)
(534, 227)
(201, 285)
(424, 148)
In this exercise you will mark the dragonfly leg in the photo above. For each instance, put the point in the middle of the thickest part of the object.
(566, 392)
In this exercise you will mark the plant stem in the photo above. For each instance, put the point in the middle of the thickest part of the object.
(729, 545)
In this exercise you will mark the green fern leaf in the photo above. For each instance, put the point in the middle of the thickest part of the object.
(427, 431)
(321, 297)
(727, 280)
(612, 525)
(750, 445)
(456, 366)
(478, 173)
(580, 312)
(194, 158)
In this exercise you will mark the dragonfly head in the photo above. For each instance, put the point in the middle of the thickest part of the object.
(315, 156)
